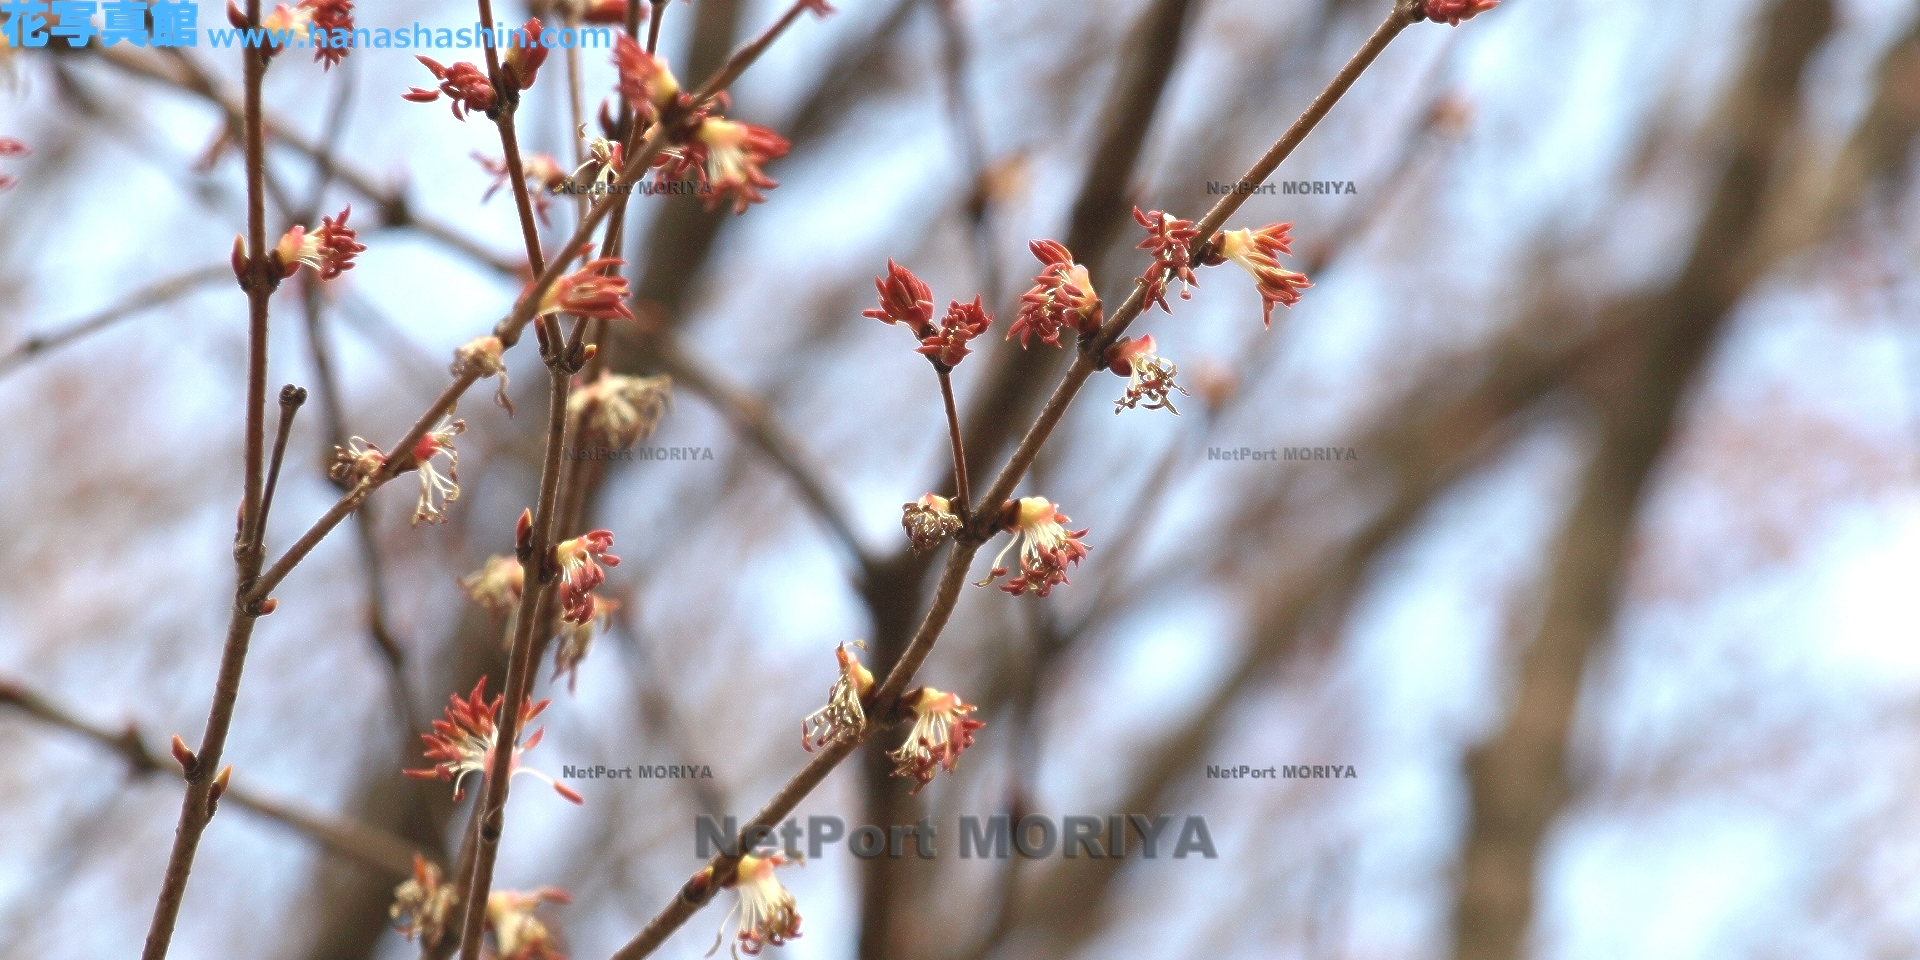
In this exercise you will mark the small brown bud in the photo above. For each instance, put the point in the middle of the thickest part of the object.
(185, 755)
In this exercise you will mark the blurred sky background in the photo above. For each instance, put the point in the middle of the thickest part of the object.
(1740, 778)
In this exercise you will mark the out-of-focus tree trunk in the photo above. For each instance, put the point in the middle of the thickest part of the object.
(1518, 780)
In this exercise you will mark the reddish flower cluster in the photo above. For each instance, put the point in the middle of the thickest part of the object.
(942, 730)
(768, 915)
(1258, 252)
(1171, 241)
(1062, 295)
(1046, 547)
(611, 12)
(329, 250)
(1451, 12)
(904, 298)
(580, 573)
(587, 292)
(963, 322)
(308, 16)
(331, 15)
(11, 148)
(644, 79)
(464, 742)
(728, 156)
(1150, 376)
(522, 62)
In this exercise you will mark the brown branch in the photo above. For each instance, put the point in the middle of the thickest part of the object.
(146, 298)
(364, 845)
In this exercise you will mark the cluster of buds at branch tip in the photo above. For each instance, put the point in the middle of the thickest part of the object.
(1046, 547)
(845, 716)
(1451, 12)
(437, 489)
(576, 639)
(580, 562)
(300, 20)
(963, 322)
(1258, 252)
(480, 358)
(904, 298)
(1149, 375)
(423, 904)
(589, 293)
(10, 147)
(1062, 296)
(644, 78)
(468, 87)
(329, 251)
(464, 742)
(767, 913)
(1170, 239)
(517, 933)
(942, 730)
(929, 521)
(496, 585)
(624, 409)
(543, 175)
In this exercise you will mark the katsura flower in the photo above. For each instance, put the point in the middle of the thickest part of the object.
(465, 84)
(309, 18)
(1046, 547)
(1171, 241)
(543, 176)
(329, 250)
(624, 409)
(356, 462)
(480, 358)
(941, 730)
(766, 911)
(602, 166)
(437, 489)
(587, 292)
(843, 717)
(580, 572)
(576, 639)
(1150, 376)
(928, 521)
(732, 154)
(517, 933)
(1256, 250)
(613, 12)
(963, 322)
(645, 79)
(522, 62)
(464, 742)
(496, 586)
(9, 147)
(1062, 295)
(904, 298)
(423, 904)
(1451, 12)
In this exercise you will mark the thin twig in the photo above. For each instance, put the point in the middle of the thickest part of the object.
(142, 300)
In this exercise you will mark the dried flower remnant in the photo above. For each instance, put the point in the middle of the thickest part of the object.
(580, 562)
(929, 521)
(766, 911)
(517, 933)
(1062, 296)
(844, 716)
(963, 322)
(601, 169)
(480, 358)
(496, 585)
(437, 489)
(423, 904)
(575, 640)
(543, 176)
(1257, 251)
(622, 408)
(357, 462)
(904, 298)
(1171, 241)
(464, 742)
(1046, 547)
(942, 730)
(465, 84)
(329, 250)
(1451, 12)
(1150, 376)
